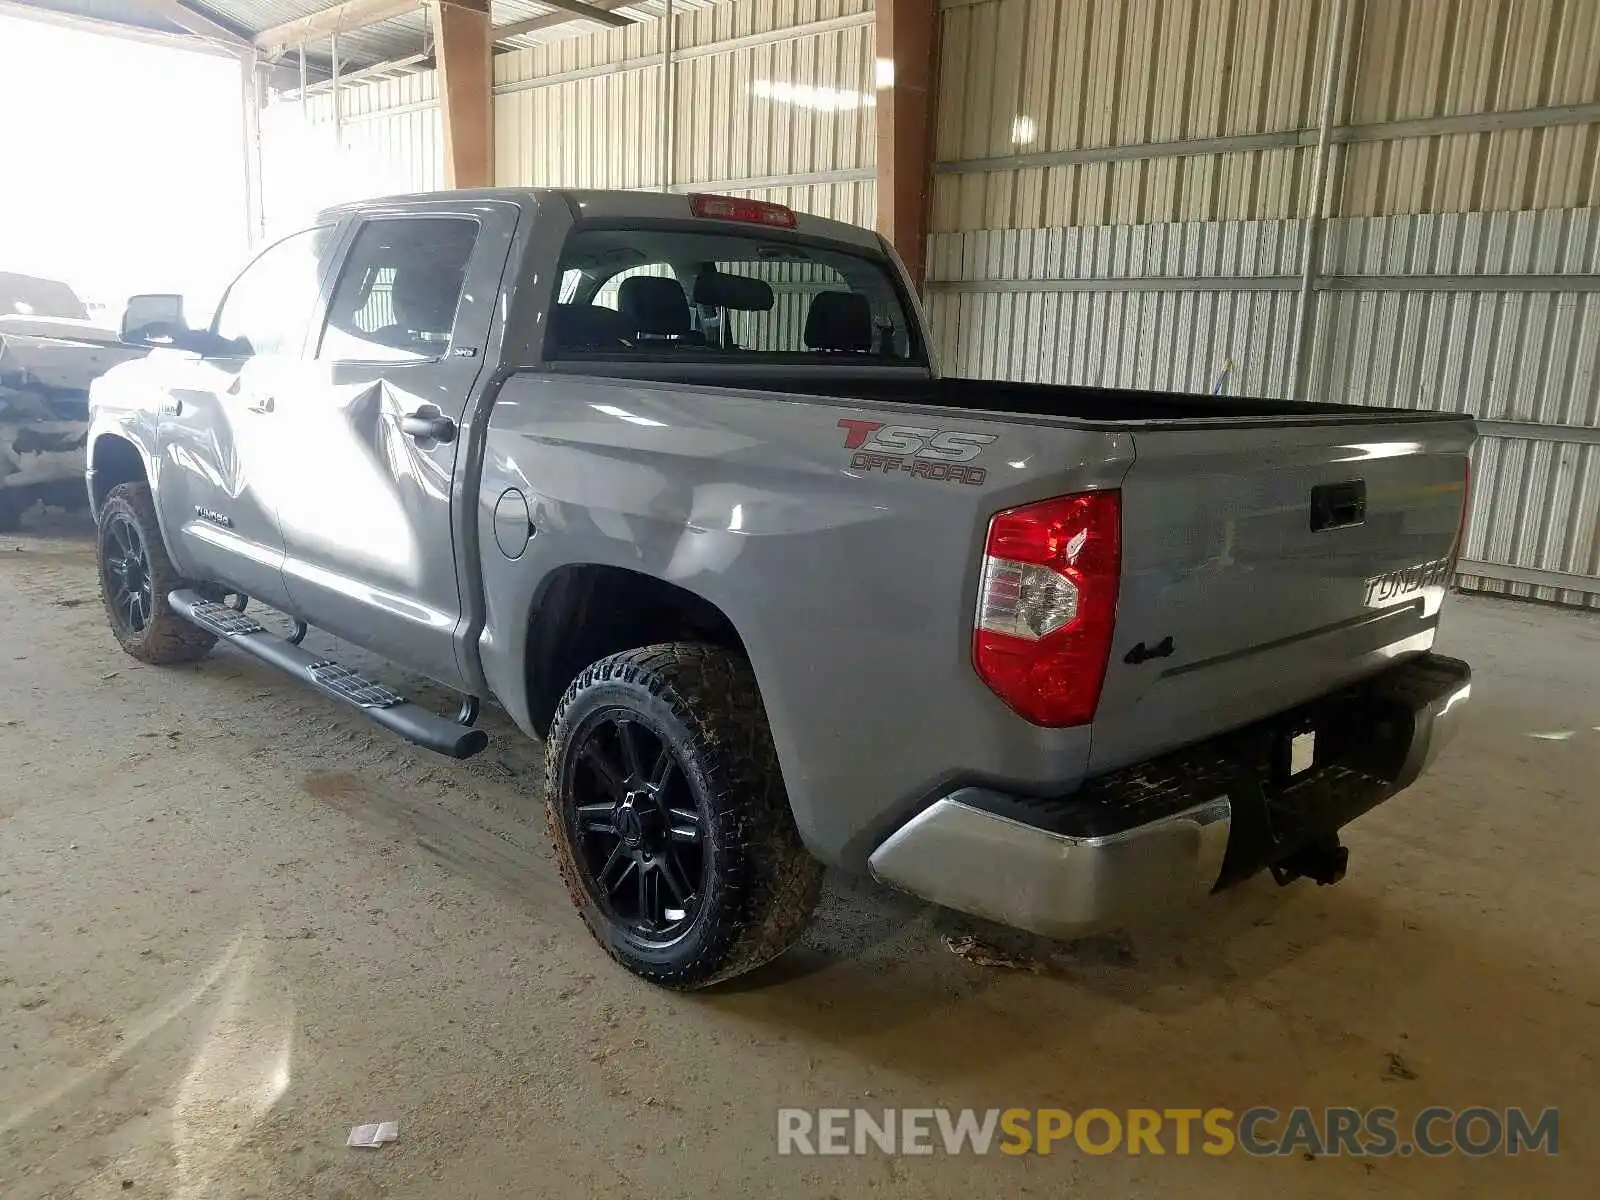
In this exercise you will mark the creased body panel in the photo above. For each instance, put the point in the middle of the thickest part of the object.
(850, 581)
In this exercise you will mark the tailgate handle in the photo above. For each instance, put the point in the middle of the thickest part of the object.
(1335, 505)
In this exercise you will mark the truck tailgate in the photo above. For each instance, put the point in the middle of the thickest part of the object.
(1281, 562)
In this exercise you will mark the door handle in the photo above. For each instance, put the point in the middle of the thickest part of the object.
(261, 404)
(1336, 505)
(429, 424)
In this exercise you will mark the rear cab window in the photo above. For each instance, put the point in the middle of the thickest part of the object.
(671, 291)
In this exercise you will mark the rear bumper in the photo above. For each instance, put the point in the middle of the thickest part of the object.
(1155, 837)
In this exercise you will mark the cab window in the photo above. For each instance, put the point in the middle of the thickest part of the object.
(399, 290)
(269, 306)
(663, 290)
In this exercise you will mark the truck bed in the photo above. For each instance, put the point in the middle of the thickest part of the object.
(1091, 405)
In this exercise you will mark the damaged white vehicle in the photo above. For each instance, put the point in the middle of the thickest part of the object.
(49, 353)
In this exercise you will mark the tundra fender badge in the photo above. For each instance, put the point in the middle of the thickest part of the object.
(214, 517)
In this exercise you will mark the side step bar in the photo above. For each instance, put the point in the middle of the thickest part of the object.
(416, 724)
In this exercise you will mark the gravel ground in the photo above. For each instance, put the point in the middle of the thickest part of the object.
(235, 920)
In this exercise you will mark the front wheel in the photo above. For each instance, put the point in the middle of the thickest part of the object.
(135, 577)
(670, 822)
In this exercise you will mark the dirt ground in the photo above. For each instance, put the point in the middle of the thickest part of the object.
(236, 920)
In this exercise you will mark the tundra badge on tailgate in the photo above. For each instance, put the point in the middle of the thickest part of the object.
(1392, 585)
(919, 451)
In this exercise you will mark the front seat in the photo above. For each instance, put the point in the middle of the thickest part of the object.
(654, 309)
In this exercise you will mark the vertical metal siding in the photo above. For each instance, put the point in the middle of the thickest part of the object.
(1450, 57)
(1024, 76)
(790, 107)
(800, 105)
(390, 140)
(1118, 334)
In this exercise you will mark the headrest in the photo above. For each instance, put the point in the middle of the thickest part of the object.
(653, 305)
(425, 295)
(716, 289)
(839, 321)
(585, 327)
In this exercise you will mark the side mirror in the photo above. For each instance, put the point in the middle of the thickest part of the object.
(154, 320)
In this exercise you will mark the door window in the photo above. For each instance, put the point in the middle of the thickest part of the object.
(269, 306)
(399, 290)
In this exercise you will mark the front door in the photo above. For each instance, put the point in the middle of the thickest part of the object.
(219, 468)
(368, 539)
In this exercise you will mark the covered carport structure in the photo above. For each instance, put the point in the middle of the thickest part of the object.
(308, 53)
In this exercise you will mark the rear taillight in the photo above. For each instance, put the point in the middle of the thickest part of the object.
(1047, 605)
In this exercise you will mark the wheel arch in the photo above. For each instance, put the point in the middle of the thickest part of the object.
(113, 460)
(583, 612)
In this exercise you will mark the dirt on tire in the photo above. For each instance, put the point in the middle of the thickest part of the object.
(166, 638)
(771, 883)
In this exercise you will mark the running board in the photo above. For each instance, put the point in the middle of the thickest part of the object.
(393, 711)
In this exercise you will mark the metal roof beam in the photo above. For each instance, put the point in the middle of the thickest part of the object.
(568, 10)
(196, 23)
(341, 18)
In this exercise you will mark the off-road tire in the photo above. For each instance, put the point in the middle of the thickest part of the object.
(166, 637)
(762, 885)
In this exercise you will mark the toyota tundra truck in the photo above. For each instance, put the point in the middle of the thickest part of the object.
(674, 481)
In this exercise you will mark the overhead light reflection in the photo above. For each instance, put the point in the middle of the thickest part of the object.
(1023, 130)
(1361, 450)
(805, 95)
(622, 414)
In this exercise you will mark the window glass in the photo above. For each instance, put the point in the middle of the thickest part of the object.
(399, 290)
(794, 285)
(661, 289)
(269, 306)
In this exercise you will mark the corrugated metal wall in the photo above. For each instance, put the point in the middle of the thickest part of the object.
(773, 99)
(1122, 195)
(388, 140)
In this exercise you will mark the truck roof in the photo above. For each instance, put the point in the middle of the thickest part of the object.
(592, 204)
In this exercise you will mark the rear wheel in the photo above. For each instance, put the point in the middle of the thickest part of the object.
(671, 826)
(135, 577)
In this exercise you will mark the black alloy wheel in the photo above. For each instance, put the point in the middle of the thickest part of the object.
(136, 576)
(668, 816)
(127, 567)
(640, 832)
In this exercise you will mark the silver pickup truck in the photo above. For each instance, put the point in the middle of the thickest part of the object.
(674, 481)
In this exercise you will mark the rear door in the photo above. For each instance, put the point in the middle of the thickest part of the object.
(376, 425)
(1267, 563)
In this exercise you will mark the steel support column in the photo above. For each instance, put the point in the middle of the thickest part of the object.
(250, 102)
(669, 117)
(1311, 228)
(904, 80)
(462, 43)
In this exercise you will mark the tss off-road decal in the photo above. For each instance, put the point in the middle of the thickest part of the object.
(920, 451)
